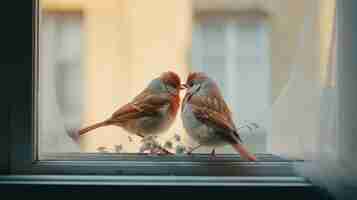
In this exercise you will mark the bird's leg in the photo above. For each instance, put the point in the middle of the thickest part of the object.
(193, 149)
(213, 153)
(129, 138)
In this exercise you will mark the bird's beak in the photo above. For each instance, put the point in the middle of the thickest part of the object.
(183, 86)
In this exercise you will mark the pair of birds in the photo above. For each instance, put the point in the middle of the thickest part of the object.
(205, 115)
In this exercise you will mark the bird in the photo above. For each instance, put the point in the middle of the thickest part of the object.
(151, 112)
(206, 116)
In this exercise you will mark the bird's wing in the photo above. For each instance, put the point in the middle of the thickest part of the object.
(145, 104)
(214, 111)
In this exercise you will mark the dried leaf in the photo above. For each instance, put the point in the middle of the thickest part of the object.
(177, 137)
(148, 138)
(250, 128)
(102, 150)
(142, 149)
(118, 148)
(255, 125)
(156, 145)
(130, 138)
(168, 144)
(180, 149)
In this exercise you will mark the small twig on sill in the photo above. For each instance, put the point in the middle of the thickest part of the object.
(162, 149)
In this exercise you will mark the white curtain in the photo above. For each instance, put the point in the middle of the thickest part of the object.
(309, 115)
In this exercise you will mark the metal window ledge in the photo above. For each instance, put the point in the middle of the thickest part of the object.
(153, 180)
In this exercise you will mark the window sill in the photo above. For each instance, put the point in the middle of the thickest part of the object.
(122, 165)
(205, 181)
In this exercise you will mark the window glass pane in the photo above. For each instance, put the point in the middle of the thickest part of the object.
(97, 56)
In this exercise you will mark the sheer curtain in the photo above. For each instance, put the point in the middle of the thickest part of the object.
(325, 137)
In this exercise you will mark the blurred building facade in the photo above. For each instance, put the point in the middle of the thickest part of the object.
(123, 44)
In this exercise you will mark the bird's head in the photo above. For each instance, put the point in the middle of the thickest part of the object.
(195, 78)
(199, 81)
(170, 82)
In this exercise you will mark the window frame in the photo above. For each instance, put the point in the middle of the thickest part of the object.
(19, 140)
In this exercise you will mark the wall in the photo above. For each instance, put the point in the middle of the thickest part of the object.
(126, 44)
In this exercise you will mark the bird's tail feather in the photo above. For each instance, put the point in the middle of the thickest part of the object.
(92, 127)
(243, 152)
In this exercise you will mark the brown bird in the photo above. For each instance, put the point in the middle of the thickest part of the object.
(206, 116)
(151, 112)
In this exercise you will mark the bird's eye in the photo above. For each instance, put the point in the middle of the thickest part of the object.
(175, 86)
(170, 88)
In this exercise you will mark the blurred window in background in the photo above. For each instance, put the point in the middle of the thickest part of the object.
(61, 54)
(234, 50)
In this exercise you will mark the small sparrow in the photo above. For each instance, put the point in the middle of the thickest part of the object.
(151, 112)
(206, 116)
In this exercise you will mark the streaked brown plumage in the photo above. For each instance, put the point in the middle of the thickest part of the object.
(151, 112)
(206, 116)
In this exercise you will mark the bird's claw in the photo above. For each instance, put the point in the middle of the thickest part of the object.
(213, 154)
